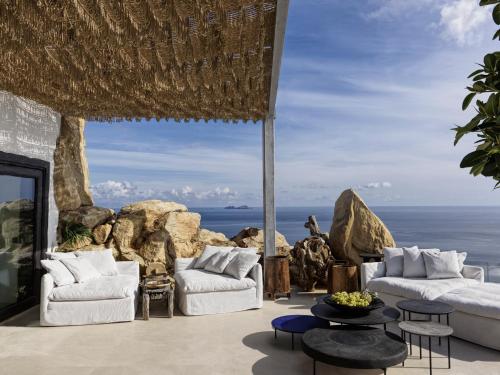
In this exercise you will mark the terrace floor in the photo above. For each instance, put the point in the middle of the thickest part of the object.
(237, 343)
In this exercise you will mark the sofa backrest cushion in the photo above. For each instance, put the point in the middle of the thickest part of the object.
(81, 269)
(208, 252)
(413, 264)
(394, 260)
(442, 265)
(58, 271)
(241, 264)
(102, 260)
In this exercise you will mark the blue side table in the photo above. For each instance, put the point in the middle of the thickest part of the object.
(297, 324)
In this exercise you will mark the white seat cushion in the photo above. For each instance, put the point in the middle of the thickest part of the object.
(482, 300)
(200, 281)
(104, 287)
(417, 288)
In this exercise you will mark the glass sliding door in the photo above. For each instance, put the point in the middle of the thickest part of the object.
(17, 223)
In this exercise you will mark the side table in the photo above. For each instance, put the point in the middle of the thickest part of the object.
(157, 292)
(429, 329)
(277, 276)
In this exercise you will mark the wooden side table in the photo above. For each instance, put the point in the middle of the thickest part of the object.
(342, 278)
(277, 276)
(156, 290)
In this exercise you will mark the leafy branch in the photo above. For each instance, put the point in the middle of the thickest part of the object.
(485, 160)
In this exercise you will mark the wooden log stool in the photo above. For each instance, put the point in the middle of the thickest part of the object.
(342, 277)
(277, 276)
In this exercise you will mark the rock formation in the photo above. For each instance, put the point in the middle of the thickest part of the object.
(159, 232)
(71, 175)
(254, 237)
(356, 229)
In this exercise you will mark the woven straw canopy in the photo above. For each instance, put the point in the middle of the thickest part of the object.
(109, 59)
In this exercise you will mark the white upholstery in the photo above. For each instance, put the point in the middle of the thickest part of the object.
(104, 287)
(199, 292)
(417, 288)
(482, 300)
(201, 281)
(61, 313)
(477, 315)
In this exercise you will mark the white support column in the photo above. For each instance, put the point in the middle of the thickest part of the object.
(268, 186)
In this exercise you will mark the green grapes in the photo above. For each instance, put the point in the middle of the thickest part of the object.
(354, 299)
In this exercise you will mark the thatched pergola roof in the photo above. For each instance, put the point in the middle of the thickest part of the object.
(108, 59)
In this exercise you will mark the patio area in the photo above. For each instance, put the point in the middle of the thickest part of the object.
(236, 343)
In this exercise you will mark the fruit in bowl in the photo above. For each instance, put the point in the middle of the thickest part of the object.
(354, 301)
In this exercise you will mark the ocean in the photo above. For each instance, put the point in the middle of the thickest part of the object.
(475, 230)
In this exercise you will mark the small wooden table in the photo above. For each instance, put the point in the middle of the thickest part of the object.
(156, 289)
(276, 276)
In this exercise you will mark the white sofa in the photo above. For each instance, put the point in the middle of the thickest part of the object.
(199, 292)
(477, 304)
(106, 299)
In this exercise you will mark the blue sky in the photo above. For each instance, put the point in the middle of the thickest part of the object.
(368, 94)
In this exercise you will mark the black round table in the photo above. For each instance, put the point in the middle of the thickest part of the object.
(354, 347)
(423, 307)
(379, 316)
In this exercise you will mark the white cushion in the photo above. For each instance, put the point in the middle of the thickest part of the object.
(394, 260)
(482, 300)
(461, 260)
(200, 281)
(252, 250)
(105, 287)
(413, 265)
(442, 265)
(417, 288)
(219, 261)
(58, 271)
(102, 260)
(241, 264)
(208, 252)
(60, 255)
(81, 269)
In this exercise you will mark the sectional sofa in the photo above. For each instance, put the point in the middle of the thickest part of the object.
(477, 304)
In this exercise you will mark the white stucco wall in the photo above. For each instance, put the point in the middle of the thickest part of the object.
(31, 129)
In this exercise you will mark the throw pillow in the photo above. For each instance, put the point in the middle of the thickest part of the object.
(442, 265)
(102, 260)
(60, 255)
(207, 254)
(241, 264)
(81, 269)
(219, 261)
(394, 260)
(461, 259)
(58, 271)
(413, 264)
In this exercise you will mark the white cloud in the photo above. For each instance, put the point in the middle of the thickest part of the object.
(111, 190)
(463, 21)
(125, 191)
(376, 185)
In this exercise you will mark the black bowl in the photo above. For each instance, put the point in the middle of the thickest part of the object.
(377, 303)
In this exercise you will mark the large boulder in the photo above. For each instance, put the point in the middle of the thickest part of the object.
(356, 229)
(254, 237)
(71, 174)
(101, 233)
(159, 232)
(309, 261)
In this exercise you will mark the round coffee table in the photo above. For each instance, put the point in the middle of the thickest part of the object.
(429, 308)
(354, 347)
(379, 316)
(297, 324)
(429, 329)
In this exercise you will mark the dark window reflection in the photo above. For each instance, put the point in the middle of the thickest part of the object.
(17, 195)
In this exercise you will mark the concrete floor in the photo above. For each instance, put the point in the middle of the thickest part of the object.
(237, 343)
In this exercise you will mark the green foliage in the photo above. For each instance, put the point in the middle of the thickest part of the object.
(485, 160)
(75, 232)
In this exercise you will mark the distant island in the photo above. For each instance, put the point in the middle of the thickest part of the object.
(244, 207)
